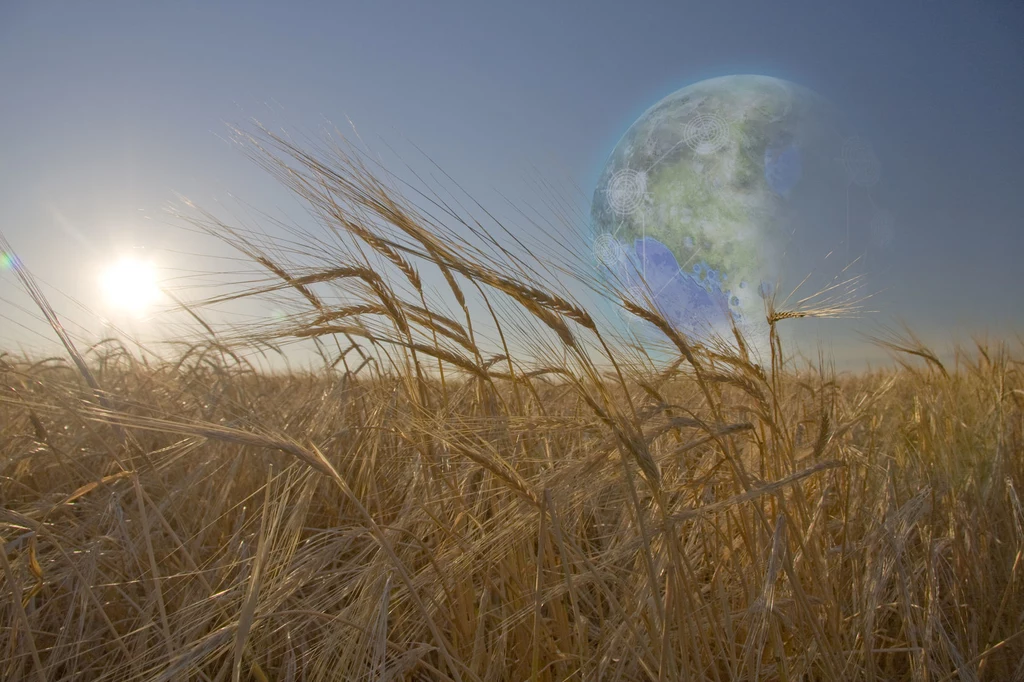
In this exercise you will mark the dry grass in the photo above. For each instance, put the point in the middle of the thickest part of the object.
(431, 506)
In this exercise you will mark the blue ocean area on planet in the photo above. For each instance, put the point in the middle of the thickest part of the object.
(691, 302)
(782, 169)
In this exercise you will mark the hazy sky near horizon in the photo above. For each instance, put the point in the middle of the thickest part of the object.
(111, 109)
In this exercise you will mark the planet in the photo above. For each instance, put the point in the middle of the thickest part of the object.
(701, 200)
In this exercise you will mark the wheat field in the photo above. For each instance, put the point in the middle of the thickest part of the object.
(435, 505)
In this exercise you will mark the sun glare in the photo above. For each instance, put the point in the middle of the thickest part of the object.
(130, 285)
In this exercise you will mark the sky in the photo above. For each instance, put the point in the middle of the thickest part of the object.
(111, 110)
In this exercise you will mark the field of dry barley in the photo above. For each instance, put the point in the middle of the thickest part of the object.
(429, 507)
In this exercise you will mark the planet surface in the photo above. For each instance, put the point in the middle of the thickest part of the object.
(694, 210)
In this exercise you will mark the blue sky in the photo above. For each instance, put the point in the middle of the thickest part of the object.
(110, 109)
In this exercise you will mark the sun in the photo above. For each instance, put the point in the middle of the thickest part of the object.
(130, 285)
